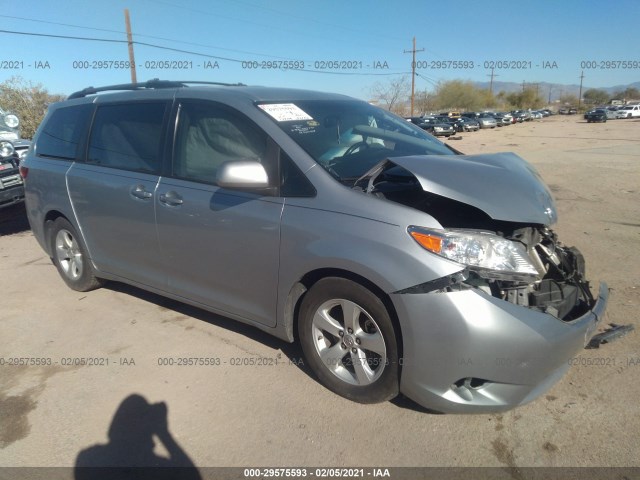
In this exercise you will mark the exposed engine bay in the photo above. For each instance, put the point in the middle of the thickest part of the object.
(556, 285)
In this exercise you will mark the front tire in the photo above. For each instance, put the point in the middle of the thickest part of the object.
(70, 257)
(349, 340)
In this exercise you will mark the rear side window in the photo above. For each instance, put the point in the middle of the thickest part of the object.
(61, 134)
(128, 136)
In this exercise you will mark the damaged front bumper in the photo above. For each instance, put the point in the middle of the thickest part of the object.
(468, 351)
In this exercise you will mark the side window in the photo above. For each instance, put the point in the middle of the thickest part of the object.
(62, 132)
(294, 182)
(128, 136)
(209, 135)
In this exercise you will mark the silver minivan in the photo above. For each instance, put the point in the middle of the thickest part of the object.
(398, 263)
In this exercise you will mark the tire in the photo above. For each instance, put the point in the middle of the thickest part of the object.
(335, 347)
(70, 257)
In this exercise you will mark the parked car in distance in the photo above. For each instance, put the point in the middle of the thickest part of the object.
(502, 119)
(568, 111)
(11, 184)
(21, 147)
(434, 126)
(9, 126)
(323, 220)
(465, 124)
(597, 115)
(451, 114)
(628, 111)
(521, 115)
(487, 121)
(507, 116)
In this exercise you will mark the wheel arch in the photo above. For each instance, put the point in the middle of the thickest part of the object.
(300, 289)
(49, 218)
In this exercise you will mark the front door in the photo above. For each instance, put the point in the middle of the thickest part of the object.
(220, 247)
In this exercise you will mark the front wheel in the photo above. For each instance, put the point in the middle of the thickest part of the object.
(349, 340)
(70, 257)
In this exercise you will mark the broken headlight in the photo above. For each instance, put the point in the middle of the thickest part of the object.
(488, 254)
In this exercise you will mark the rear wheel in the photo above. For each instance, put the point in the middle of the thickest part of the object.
(349, 340)
(70, 257)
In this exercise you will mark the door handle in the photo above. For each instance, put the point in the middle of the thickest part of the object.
(139, 192)
(171, 198)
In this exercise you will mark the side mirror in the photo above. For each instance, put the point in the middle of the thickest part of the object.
(242, 174)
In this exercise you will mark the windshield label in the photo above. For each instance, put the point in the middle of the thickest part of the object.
(302, 129)
(285, 112)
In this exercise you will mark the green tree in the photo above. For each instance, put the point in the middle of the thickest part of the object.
(26, 100)
(568, 99)
(629, 93)
(462, 95)
(528, 98)
(595, 97)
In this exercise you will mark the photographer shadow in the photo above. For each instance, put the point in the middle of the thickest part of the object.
(129, 453)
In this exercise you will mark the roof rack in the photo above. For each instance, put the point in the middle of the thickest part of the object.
(150, 84)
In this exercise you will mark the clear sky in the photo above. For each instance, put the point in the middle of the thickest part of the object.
(330, 45)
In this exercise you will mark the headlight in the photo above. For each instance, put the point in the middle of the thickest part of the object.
(437, 129)
(23, 154)
(490, 255)
(6, 149)
(11, 121)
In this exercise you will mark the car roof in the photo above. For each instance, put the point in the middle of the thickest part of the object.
(167, 89)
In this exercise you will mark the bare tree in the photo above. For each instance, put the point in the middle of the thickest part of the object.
(393, 94)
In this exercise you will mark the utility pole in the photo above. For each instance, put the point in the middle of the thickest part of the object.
(132, 60)
(522, 86)
(580, 94)
(491, 81)
(413, 71)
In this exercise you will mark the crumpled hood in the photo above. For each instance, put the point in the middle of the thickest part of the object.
(503, 185)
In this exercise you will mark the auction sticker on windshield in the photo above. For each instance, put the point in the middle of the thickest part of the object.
(285, 112)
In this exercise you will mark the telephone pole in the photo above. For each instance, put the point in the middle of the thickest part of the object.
(132, 60)
(580, 94)
(413, 71)
(491, 81)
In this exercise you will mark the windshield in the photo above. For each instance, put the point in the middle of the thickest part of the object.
(349, 137)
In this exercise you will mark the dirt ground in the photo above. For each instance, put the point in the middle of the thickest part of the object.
(276, 414)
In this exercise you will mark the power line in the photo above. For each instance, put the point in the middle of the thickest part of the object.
(147, 36)
(189, 52)
(428, 79)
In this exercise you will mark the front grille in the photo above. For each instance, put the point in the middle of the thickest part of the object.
(10, 181)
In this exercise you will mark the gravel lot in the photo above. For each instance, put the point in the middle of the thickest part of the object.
(278, 415)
